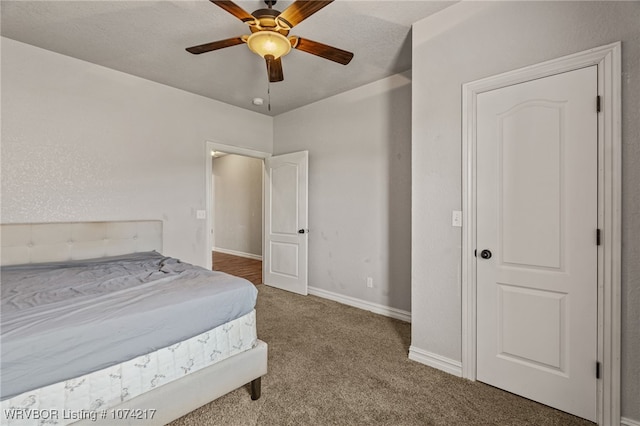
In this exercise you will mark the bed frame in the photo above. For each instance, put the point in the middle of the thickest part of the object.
(50, 242)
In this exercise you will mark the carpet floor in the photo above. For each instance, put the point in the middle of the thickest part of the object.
(331, 364)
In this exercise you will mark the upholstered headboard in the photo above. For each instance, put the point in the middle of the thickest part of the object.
(50, 242)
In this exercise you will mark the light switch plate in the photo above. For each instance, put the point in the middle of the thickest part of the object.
(456, 219)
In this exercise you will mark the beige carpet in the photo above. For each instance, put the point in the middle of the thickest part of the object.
(330, 364)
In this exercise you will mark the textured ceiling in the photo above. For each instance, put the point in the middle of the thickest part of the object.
(148, 39)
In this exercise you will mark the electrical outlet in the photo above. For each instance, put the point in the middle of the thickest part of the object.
(201, 214)
(369, 282)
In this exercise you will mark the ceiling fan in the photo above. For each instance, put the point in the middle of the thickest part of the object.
(269, 31)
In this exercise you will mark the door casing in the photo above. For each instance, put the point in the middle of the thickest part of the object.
(608, 60)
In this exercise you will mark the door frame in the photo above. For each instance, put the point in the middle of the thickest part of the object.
(229, 149)
(608, 60)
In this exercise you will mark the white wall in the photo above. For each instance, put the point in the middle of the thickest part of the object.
(238, 204)
(359, 189)
(81, 142)
(475, 40)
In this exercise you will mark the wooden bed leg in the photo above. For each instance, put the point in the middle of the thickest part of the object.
(255, 388)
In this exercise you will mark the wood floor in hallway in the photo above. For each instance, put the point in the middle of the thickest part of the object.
(249, 269)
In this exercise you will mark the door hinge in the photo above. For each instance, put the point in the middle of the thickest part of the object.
(597, 369)
(598, 104)
(598, 237)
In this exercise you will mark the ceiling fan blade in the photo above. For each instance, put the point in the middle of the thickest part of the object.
(215, 45)
(300, 10)
(274, 69)
(234, 9)
(324, 51)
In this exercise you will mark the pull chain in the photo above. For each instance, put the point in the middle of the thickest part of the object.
(269, 85)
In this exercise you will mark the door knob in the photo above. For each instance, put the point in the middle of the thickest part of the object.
(302, 231)
(485, 254)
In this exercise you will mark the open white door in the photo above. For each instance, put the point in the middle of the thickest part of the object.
(285, 222)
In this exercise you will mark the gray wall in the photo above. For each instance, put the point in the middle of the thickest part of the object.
(359, 145)
(472, 41)
(83, 142)
(237, 203)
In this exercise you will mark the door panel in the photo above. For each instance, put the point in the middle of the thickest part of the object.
(284, 194)
(530, 141)
(537, 213)
(284, 259)
(539, 314)
(285, 254)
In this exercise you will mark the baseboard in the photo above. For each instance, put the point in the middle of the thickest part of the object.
(436, 361)
(628, 422)
(238, 253)
(362, 304)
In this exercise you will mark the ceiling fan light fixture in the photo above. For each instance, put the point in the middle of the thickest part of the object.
(269, 43)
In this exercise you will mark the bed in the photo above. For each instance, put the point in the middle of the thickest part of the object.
(99, 327)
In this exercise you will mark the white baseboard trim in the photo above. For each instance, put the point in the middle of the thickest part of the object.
(362, 304)
(238, 253)
(628, 422)
(436, 361)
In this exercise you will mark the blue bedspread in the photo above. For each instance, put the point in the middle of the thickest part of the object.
(65, 319)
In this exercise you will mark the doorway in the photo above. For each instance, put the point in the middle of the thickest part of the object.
(604, 240)
(212, 244)
(237, 215)
(284, 215)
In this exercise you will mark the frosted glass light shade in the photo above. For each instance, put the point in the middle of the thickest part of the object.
(269, 43)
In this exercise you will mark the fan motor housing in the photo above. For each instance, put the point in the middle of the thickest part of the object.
(267, 21)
